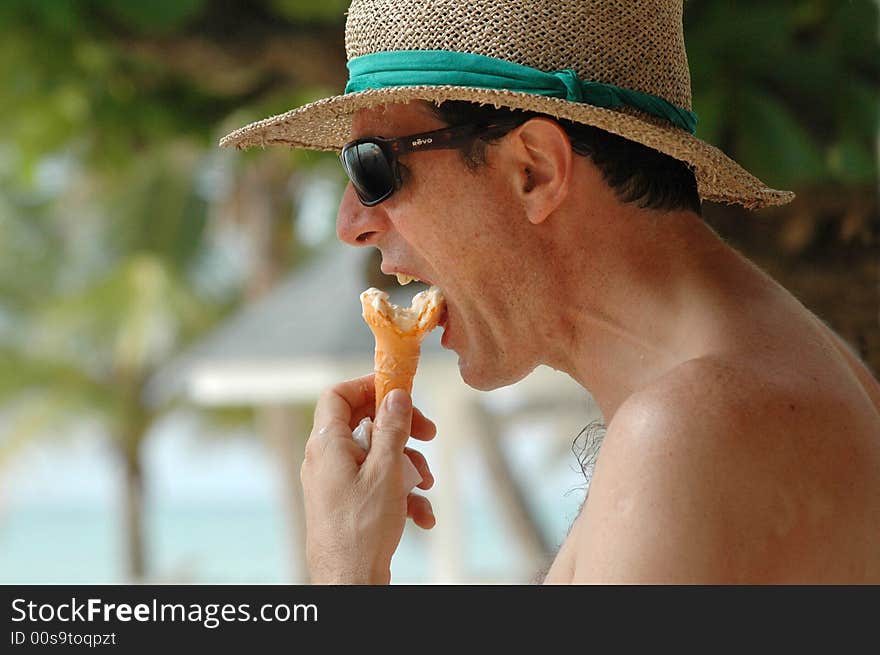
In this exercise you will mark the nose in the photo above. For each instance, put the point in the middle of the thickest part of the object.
(358, 225)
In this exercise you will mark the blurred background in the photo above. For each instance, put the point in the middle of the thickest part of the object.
(169, 311)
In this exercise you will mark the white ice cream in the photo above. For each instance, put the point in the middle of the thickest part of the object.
(417, 315)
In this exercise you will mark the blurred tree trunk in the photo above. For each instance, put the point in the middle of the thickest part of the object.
(136, 423)
(134, 518)
(263, 205)
(284, 429)
(513, 499)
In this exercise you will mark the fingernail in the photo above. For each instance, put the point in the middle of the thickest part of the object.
(397, 401)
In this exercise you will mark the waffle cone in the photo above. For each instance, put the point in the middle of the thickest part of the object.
(399, 334)
(395, 362)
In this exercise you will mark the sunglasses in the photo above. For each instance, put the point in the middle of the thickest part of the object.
(371, 163)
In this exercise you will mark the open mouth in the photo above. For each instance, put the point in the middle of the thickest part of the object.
(405, 278)
(443, 322)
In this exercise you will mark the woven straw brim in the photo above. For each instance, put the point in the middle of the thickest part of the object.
(326, 125)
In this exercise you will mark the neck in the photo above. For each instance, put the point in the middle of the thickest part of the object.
(643, 291)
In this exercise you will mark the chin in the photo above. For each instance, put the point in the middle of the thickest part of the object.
(489, 376)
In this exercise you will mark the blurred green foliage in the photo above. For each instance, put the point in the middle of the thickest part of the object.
(789, 87)
(309, 10)
(108, 145)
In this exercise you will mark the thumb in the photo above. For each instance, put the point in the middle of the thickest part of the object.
(393, 422)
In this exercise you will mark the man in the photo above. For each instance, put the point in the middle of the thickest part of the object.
(537, 164)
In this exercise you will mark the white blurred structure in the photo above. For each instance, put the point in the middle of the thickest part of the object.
(308, 334)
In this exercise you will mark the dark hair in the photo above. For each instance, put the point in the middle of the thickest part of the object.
(636, 173)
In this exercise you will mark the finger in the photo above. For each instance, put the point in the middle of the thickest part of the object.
(359, 454)
(338, 404)
(423, 428)
(393, 421)
(335, 457)
(320, 437)
(418, 508)
(340, 452)
(421, 465)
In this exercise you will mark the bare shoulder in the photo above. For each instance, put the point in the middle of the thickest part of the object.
(723, 473)
(744, 405)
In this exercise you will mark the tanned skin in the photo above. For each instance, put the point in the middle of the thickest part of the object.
(743, 436)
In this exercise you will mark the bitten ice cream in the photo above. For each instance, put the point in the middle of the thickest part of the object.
(399, 332)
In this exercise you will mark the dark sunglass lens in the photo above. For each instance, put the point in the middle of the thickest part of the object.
(369, 171)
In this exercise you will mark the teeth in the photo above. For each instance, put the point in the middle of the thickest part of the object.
(404, 279)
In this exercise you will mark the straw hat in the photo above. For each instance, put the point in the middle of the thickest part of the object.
(619, 65)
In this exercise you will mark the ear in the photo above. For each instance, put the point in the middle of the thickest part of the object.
(542, 166)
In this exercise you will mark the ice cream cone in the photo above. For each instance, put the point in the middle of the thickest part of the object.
(399, 333)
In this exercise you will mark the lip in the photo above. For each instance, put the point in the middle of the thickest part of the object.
(444, 323)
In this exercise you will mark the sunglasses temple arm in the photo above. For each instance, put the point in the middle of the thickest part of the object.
(439, 140)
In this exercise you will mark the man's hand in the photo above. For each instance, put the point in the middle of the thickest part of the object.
(356, 503)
